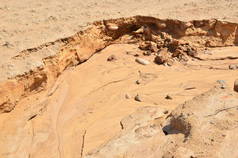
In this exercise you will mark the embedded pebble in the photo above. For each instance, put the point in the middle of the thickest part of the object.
(113, 27)
(127, 96)
(112, 58)
(138, 98)
(142, 61)
(233, 67)
(138, 82)
(222, 84)
(236, 85)
(168, 97)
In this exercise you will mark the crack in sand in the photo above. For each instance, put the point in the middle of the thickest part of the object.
(83, 141)
(221, 110)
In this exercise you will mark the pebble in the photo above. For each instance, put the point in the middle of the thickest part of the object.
(188, 24)
(138, 98)
(138, 82)
(147, 53)
(112, 58)
(233, 67)
(222, 84)
(127, 96)
(142, 61)
(162, 58)
(236, 85)
(113, 27)
(161, 25)
(168, 97)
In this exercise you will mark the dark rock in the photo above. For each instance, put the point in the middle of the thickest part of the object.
(173, 45)
(138, 98)
(112, 58)
(236, 85)
(138, 82)
(168, 97)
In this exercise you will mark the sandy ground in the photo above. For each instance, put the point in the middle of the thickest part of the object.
(27, 24)
(88, 102)
(88, 107)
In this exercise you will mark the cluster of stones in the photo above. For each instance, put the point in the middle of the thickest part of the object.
(165, 48)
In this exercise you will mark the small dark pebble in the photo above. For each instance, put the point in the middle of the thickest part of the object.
(168, 97)
(138, 98)
(236, 85)
(112, 58)
(147, 53)
(138, 82)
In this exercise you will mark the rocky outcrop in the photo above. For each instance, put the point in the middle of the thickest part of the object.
(205, 126)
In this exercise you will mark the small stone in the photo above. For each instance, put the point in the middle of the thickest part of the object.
(144, 46)
(112, 27)
(149, 45)
(166, 112)
(236, 85)
(168, 97)
(188, 24)
(233, 67)
(139, 31)
(153, 47)
(161, 25)
(7, 44)
(173, 45)
(192, 52)
(112, 58)
(162, 58)
(222, 84)
(170, 63)
(177, 53)
(138, 98)
(147, 53)
(138, 82)
(127, 96)
(142, 61)
(147, 33)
